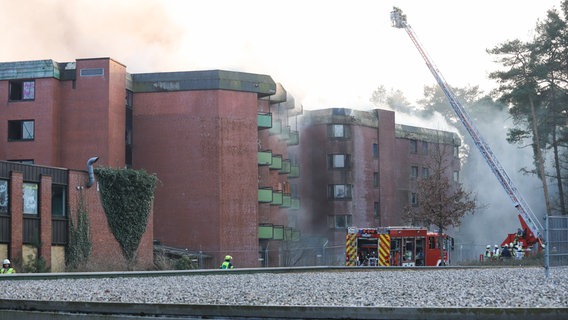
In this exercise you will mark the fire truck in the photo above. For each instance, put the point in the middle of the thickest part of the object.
(530, 233)
(396, 246)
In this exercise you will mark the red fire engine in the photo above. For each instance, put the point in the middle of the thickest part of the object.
(395, 246)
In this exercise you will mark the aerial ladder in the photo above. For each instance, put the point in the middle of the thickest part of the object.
(531, 226)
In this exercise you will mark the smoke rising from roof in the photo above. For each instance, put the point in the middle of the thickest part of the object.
(140, 34)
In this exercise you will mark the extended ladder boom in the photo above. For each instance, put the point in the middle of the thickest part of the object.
(399, 21)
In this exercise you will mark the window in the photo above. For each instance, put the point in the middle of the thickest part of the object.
(339, 191)
(424, 147)
(375, 150)
(4, 196)
(338, 161)
(92, 72)
(414, 172)
(425, 173)
(338, 131)
(22, 90)
(23, 161)
(339, 222)
(413, 146)
(456, 176)
(376, 210)
(19, 130)
(414, 199)
(375, 179)
(456, 151)
(58, 200)
(30, 198)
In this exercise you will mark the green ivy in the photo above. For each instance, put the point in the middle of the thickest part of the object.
(78, 249)
(127, 201)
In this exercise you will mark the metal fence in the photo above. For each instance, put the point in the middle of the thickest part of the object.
(556, 251)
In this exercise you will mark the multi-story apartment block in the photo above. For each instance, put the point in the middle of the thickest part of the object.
(361, 169)
(234, 176)
(215, 139)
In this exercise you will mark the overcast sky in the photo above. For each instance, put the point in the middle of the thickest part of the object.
(325, 53)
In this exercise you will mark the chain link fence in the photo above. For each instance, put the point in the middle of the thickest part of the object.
(556, 251)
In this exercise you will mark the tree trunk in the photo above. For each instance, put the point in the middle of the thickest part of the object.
(558, 173)
(540, 161)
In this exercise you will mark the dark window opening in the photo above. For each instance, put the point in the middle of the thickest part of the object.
(19, 130)
(22, 90)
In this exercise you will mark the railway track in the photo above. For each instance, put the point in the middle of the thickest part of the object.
(66, 309)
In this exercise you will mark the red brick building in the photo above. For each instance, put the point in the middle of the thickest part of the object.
(200, 132)
(234, 176)
(363, 170)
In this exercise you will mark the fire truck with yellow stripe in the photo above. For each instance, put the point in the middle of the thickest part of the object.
(396, 246)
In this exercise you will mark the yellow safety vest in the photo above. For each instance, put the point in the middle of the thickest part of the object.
(7, 271)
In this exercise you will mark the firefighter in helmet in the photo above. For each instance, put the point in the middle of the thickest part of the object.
(496, 252)
(227, 263)
(488, 252)
(7, 267)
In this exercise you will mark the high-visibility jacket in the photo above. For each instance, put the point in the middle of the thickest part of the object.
(7, 271)
(226, 265)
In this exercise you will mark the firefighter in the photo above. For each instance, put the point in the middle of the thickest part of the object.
(7, 267)
(506, 253)
(227, 263)
(496, 252)
(488, 252)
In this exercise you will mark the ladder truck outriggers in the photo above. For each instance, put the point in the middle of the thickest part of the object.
(530, 233)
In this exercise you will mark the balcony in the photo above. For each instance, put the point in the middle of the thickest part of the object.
(272, 232)
(276, 127)
(286, 167)
(286, 201)
(264, 120)
(294, 138)
(265, 195)
(276, 162)
(264, 158)
(285, 134)
(294, 171)
(278, 233)
(265, 231)
(277, 198)
(295, 204)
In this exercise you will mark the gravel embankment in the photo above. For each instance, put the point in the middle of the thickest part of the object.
(500, 287)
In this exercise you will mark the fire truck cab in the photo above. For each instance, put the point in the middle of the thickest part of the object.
(395, 246)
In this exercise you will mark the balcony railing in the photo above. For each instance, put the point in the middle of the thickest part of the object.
(276, 127)
(286, 165)
(277, 198)
(285, 134)
(278, 233)
(276, 162)
(295, 204)
(294, 171)
(265, 195)
(294, 138)
(265, 231)
(264, 158)
(286, 201)
(264, 120)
